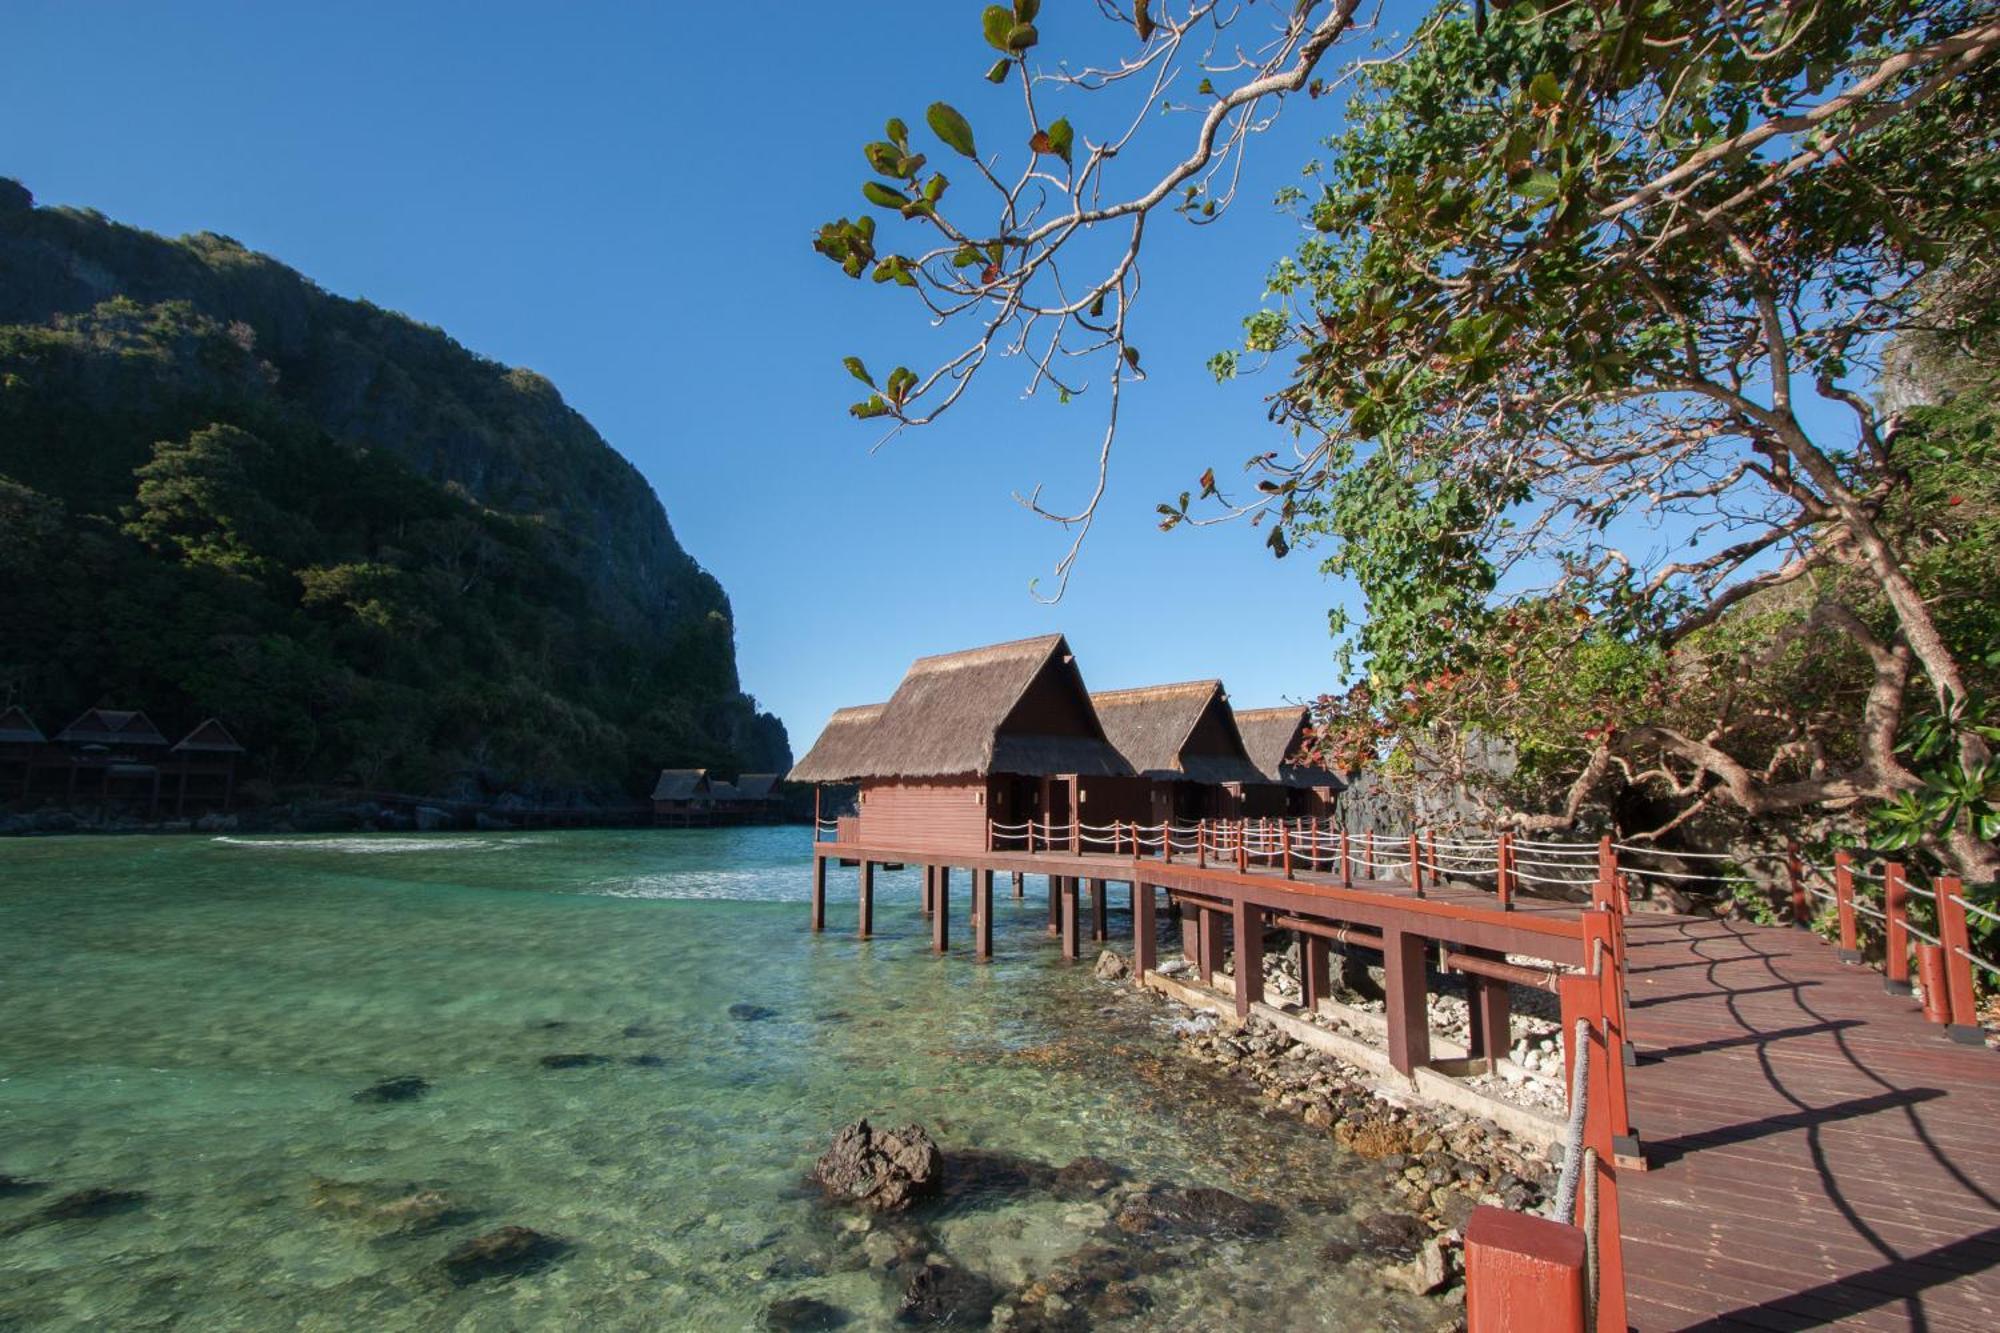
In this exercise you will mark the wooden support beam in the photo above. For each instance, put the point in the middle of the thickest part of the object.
(930, 888)
(1190, 933)
(1145, 940)
(1490, 1011)
(941, 914)
(819, 894)
(1247, 924)
(1209, 965)
(1020, 885)
(1100, 929)
(1315, 969)
(1070, 889)
(866, 919)
(982, 913)
(1406, 991)
(1055, 904)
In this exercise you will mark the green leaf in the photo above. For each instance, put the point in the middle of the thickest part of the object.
(859, 371)
(898, 133)
(1062, 138)
(880, 194)
(1131, 356)
(1025, 10)
(1540, 186)
(998, 74)
(1544, 89)
(997, 22)
(875, 406)
(884, 157)
(1022, 37)
(948, 125)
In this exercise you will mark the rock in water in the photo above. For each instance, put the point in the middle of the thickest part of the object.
(751, 1013)
(11, 1186)
(1422, 1275)
(802, 1314)
(887, 1170)
(402, 1088)
(1198, 1211)
(943, 1293)
(574, 1060)
(509, 1252)
(1111, 967)
(94, 1202)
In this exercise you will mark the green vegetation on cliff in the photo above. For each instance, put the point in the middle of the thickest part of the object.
(384, 560)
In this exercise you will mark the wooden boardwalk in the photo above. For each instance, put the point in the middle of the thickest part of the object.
(1820, 1154)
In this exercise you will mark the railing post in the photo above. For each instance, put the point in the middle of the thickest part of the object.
(1416, 869)
(1431, 862)
(1956, 940)
(1604, 893)
(1795, 880)
(1243, 849)
(1201, 843)
(1523, 1271)
(1931, 975)
(1895, 929)
(1167, 839)
(1503, 874)
(1285, 837)
(1582, 997)
(1346, 862)
(1843, 896)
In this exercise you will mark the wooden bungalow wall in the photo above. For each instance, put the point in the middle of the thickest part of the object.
(941, 815)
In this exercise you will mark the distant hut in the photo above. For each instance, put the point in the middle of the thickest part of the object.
(204, 761)
(1183, 746)
(759, 798)
(1000, 735)
(119, 746)
(1289, 786)
(21, 745)
(681, 796)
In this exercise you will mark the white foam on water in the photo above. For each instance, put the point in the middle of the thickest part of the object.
(371, 846)
(712, 885)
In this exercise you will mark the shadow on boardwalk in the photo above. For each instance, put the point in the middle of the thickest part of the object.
(1822, 1154)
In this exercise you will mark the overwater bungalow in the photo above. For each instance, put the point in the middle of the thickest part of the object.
(681, 796)
(21, 744)
(1004, 734)
(119, 747)
(204, 761)
(756, 799)
(1187, 758)
(1288, 784)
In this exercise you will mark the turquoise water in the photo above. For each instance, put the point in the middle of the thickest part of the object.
(189, 1018)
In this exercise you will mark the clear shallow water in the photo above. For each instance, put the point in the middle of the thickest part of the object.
(190, 1018)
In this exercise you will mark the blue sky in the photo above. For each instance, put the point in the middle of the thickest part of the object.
(622, 198)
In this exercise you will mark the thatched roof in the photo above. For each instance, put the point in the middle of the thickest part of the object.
(112, 726)
(1178, 732)
(211, 737)
(836, 755)
(1275, 738)
(720, 790)
(17, 728)
(757, 786)
(1008, 708)
(681, 784)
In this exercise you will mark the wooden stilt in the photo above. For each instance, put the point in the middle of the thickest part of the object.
(1190, 933)
(1145, 943)
(1491, 1012)
(941, 915)
(930, 888)
(1055, 904)
(982, 916)
(866, 920)
(1247, 921)
(1209, 965)
(1020, 885)
(1315, 970)
(1070, 886)
(1100, 929)
(1408, 1012)
(819, 894)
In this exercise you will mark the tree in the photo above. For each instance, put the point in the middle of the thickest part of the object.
(1575, 272)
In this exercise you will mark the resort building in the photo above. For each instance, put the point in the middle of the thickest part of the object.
(681, 796)
(1004, 735)
(1187, 757)
(21, 744)
(116, 754)
(1287, 785)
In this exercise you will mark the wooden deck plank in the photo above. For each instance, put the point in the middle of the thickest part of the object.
(1822, 1154)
